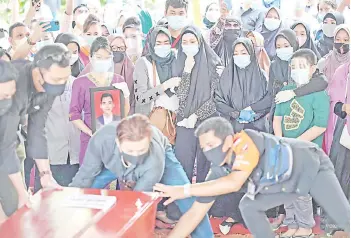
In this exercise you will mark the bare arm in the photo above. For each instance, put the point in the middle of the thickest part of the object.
(312, 133)
(277, 126)
(66, 23)
(190, 220)
(15, 11)
(81, 126)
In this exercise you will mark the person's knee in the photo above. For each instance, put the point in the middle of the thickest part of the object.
(246, 205)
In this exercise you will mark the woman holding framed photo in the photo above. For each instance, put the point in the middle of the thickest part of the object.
(101, 76)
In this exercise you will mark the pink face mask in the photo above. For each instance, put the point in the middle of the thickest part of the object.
(302, 40)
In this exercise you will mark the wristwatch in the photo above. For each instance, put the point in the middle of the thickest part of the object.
(30, 42)
(43, 173)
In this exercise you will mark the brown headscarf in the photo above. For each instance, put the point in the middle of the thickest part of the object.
(262, 57)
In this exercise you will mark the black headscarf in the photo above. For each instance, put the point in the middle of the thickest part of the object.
(202, 75)
(165, 66)
(325, 44)
(224, 49)
(66, 39)
(280, 68)
(240, 88)
(309, 44)
(269, 36)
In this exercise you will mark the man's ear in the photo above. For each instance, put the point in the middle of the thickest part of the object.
(11, 40)
(313, 70)
(38, 80)
(227, 144)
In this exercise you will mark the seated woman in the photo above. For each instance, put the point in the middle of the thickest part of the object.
(271, 26)
(100, 76)
(330, 22)
(261, 54)
(303, 35)
(223, 35)
(197, 64)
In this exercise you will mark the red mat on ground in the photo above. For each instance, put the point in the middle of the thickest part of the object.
(240, 229)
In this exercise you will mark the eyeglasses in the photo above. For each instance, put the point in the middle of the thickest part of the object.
(119, 49)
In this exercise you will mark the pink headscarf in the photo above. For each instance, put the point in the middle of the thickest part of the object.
(334, 59)
(338, 87)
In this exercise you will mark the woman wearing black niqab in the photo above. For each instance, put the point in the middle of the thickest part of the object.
(197, 65)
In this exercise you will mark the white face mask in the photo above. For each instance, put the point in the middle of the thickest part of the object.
(74, 58)
(80, 19)
(213, 16)
(190, 50)
(242, 61)
(101, 66)
(328, 29)
(162, 50)
(177, 22)
(302, 40)
(20, 42)
(285, 53)
(89, 40)
(272, 24)
(300, 76)
(41, 44)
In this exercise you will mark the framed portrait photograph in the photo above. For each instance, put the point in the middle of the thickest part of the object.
(107, 105)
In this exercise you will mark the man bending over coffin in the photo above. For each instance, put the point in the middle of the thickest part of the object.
(140, 156)
(271, 170)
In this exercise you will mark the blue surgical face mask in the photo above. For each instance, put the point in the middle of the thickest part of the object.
(285, 54)
(320, 17)
(162, 50)
(242, 61)
(177, 22)
(190, 50)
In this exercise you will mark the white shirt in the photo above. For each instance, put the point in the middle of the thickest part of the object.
(108, 119)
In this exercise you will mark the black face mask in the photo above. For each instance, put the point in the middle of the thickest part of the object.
(118, 56)
(5, 105)
(135, 160)
(230, 35)
(345, 47)
(216, 156)
(54, 90)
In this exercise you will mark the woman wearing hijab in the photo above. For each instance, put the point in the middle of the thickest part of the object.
(100, 76)
(271, 26)
(339, 92)
(271, 3)
(328, 65)
(197, 65)
(91, 30)
(229, 30)
(261, 54)
(154, 75)
(303, 35)
(330, 22)
(242, 88)
(211, 15)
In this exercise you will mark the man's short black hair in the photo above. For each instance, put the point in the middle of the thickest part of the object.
(14, 26)
(308, 54)
(177, 4)
(7, 71)
(132, 22)
(56, 53)
(219, 125)
(106, 95)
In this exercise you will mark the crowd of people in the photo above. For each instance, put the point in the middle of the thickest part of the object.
(249, 69)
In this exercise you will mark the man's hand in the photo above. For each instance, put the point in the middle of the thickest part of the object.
(173, 192)
(284, 96)
(189, 64)
(39, 30)
(49, 183)
(24, 200)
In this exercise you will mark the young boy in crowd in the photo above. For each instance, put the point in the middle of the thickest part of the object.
(304, 118)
